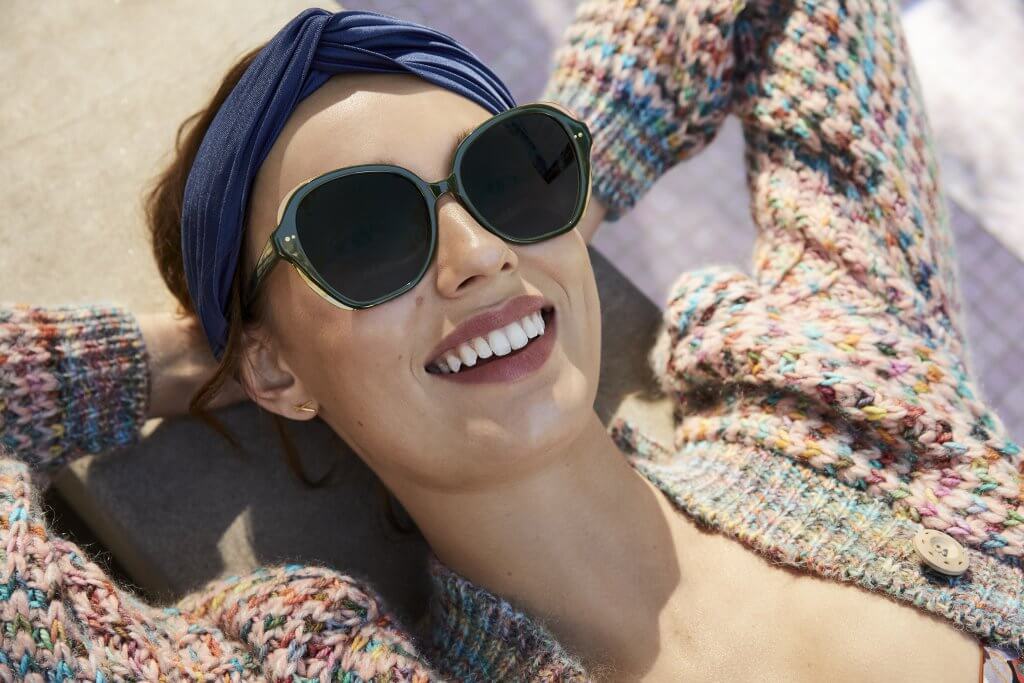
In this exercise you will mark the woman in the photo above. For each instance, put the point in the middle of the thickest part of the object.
(825, 417)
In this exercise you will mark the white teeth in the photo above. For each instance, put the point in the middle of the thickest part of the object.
(499, 343)
(481, 348)
(467, 355)
(529, 327)
(516, 335)
(453, 361)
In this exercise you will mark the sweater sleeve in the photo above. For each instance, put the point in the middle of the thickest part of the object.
(841, 165)
(309, 622)
(844, 351)
(63, 618)
(652, 79)
(844, 182)
(73, 381)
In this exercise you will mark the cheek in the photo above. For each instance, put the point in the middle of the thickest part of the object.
(343, 357)
(566, 261)
(359, 366)
(356, 366)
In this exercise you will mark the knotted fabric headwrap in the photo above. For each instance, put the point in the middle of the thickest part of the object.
(301, 57)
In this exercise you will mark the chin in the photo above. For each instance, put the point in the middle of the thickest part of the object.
(526, 429)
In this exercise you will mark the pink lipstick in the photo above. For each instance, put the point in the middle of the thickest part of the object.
(503, 344)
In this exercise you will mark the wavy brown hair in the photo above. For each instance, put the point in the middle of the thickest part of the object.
(163, 206)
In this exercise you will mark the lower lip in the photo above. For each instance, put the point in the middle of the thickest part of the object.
(513, 366)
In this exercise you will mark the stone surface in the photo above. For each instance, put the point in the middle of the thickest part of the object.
(90, 102)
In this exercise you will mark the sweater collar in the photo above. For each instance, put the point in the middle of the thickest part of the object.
(477, 635)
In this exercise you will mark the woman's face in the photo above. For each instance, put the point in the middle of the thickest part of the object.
(366, 371)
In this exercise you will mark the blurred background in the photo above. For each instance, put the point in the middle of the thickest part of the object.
(94, 90)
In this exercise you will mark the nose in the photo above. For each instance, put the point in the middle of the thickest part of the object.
(467, 254)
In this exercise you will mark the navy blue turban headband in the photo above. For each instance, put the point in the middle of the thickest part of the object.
(310, 49)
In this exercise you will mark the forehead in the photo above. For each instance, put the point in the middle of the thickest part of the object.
(375, 118)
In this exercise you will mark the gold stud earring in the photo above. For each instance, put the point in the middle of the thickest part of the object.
(306, 407)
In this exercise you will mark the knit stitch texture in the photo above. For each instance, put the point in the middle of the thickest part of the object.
(845, 350)
(825, 412)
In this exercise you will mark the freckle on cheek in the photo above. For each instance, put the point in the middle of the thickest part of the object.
(419, 300)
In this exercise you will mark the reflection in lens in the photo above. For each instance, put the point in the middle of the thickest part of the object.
(523, 176)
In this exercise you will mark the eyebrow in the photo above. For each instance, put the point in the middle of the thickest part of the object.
(458, 141)
(387, 159)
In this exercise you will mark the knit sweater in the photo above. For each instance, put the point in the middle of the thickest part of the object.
(825, 413)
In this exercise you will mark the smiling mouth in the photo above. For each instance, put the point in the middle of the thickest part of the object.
(504, 354)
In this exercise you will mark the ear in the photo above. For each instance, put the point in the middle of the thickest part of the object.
(269, 382)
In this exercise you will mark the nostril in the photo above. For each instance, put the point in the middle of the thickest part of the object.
(465, 283)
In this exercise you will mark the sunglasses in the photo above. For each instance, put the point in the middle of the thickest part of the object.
(363, 235)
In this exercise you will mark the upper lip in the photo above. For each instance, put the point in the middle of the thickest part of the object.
(480, 324)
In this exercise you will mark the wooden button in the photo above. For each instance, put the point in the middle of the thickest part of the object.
(941, 552)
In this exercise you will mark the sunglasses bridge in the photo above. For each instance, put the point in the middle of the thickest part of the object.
(444, 186)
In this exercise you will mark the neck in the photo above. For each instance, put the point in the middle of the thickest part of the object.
(584, 545)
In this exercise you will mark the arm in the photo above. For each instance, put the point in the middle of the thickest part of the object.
(62, 617)
(653, 81)
(311, 622)
(83, 380)
(840, 160)
(72, 381)
(850, 328)
(180, 362)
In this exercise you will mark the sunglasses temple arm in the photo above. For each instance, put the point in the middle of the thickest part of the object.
(268, 259)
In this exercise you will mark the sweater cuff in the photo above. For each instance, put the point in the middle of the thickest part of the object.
(73, 381)
(632, 140)
(480, 636)
(652, 80)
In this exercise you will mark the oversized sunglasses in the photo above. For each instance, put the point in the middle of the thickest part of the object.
(363, 235)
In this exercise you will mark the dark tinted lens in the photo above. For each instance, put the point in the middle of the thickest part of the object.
(368, 235)
(523, 176)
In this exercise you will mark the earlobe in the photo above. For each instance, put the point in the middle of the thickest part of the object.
(306, 407)
(270, 383)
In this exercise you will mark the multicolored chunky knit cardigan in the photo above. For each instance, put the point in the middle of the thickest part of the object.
(825, 411)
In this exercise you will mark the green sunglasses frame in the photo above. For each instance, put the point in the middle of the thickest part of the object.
(284, 240)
